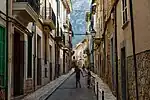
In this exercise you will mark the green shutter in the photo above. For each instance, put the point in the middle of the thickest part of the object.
(2, 56)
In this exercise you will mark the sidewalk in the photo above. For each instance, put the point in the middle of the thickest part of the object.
(48, 89)
(102, 86)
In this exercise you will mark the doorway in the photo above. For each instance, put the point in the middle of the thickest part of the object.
(18, 64)
(39, 75)
(50, 65)
(123, 73)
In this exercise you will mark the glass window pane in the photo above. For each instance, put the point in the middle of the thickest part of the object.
(125, 3)
(126, 14)
(123, 18)
(122, 4)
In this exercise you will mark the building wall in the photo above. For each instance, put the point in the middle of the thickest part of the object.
(141, 15)
(79, 52)
(141, 22)
(41, 55)
(61, 62)
(53, 59)
(28, 82)
(54, 5)
(142, 26)
(142, 49)
(3, 9)
(108, 69)
(123, 40)
(3, 6)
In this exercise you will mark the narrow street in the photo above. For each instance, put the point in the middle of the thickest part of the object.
(43, 42)
(68, 91)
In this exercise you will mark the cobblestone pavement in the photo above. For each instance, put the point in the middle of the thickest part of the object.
(68, 91)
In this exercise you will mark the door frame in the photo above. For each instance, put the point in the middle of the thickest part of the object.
(17, 31)
(123, 46)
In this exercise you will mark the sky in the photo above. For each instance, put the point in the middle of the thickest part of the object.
(79, 8)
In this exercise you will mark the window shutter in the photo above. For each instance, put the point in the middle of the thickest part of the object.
(2, 56)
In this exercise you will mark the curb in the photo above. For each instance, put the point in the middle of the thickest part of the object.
(46, 96)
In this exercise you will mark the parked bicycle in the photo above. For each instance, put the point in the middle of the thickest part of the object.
(88, 78)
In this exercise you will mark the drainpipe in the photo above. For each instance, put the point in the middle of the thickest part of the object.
(93, 67)
(116, 51)
(34, 73)
(104, 40)
(45, 38)
(45, 9)
(56, 47)
(6, 74)
(104, 52)
(133, 44)
(64, 58)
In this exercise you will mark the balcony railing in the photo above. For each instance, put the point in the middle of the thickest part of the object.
(49, 14)
(53, 17)
(35, 4)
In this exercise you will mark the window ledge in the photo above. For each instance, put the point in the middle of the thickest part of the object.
(125, 25)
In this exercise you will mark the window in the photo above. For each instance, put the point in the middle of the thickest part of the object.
(46, 72)
(50, 50)
(66, 59)
(124, 11)
(58, 8)
(45, 60)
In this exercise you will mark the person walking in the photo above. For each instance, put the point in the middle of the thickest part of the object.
(88, 78)
(83, 67)
(78, 72)
(74, 62)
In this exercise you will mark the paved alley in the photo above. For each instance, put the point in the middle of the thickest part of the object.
(68, 91)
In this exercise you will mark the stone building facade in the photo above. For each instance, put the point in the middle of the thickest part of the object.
(80, 53)
(126, 71)
(31, 44)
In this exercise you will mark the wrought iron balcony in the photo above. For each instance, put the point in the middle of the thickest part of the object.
(49, 17)
(58, 39)
(26, 11)
(35, 4)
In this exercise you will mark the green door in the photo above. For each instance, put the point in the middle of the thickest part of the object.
(2, 56)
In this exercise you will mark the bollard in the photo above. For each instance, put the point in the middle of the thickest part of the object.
(102, 95)
(97, 90)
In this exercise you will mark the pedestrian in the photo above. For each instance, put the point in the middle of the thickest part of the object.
(78, 72)
(83, 68)
(74, 62)
(88, 78)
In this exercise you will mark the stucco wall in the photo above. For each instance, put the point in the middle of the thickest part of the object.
(3, 6)
(141, 12)
(141, 15)
(3, 9)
